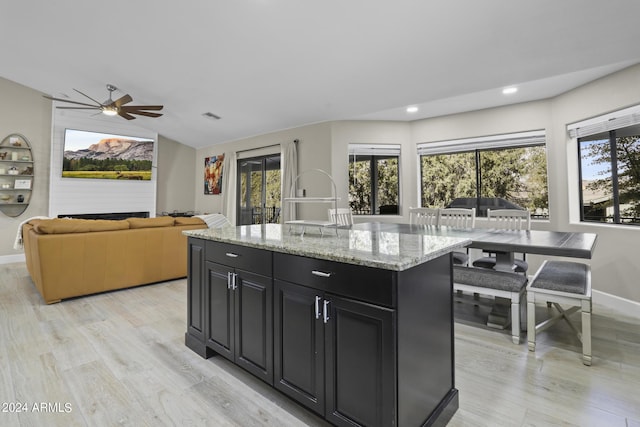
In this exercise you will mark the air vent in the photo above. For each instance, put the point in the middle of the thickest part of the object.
(211, 116)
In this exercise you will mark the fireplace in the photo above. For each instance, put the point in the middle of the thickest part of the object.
(109, 215)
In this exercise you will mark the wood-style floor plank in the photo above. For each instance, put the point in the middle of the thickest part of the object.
(119, 359)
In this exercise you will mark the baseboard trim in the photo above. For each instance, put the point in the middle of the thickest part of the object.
(621, 305)
(10, 259)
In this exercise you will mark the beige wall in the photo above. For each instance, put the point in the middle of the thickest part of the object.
(314, 152)
(175, 177)
(324, 146)
(26, 112)
(375, 132)
(614, 265)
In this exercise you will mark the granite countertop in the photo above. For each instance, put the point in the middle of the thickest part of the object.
(389, 250)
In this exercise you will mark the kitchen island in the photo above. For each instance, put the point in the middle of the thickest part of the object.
(357, 326)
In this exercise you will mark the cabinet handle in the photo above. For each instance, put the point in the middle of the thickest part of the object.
(232, 255)
(325, 311)
(320, 273)
(318, 306)
(231, 280)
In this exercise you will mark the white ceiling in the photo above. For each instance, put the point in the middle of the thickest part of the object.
(267, 65)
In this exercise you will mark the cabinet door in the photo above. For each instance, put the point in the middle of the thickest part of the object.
(254, 324)
(299, 344)
(220, 301)
(360, 364)
(195, 291)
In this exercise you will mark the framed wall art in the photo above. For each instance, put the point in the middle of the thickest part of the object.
(213, 174)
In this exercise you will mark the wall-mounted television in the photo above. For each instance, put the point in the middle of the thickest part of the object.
(95, 155)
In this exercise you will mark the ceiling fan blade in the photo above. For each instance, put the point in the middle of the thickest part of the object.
(71, 102)
(123, 100)
(145, 113)
(125, 115)
(97, 102)
(142, 107)
(78, 108)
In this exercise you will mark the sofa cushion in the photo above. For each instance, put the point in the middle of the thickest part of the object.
(161, 221)
(67, 225)
(192, 220)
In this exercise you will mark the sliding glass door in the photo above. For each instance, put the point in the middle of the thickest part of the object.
(259, 193)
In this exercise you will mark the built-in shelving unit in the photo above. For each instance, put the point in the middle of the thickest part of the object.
(16, 174)
(304, 223)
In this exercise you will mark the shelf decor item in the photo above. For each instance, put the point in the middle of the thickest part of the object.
(16, 170)
(22, 184)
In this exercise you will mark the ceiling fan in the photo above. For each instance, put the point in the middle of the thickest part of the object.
(111, 107)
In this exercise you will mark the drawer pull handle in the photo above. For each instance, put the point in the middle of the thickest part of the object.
(232, 255)
(320, 273)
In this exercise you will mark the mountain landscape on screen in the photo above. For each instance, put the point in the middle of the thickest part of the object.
(92, 155)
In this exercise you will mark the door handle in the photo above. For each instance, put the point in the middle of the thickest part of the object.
(231, 280)
(325, 311)
(318, 306)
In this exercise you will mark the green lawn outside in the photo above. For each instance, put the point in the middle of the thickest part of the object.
(128, 175)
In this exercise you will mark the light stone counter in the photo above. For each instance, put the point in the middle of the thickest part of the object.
(389, 250)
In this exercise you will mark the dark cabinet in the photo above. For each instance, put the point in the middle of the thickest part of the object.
(194, 337)
(359, 363)
(230, 310)
(239, 315)
(358, 345)
(299, 344)
(332, 354)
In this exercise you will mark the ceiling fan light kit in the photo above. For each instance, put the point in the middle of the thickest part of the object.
(111, 107)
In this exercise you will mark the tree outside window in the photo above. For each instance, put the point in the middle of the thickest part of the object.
(373, 184)
(610, 176)
(516, 175)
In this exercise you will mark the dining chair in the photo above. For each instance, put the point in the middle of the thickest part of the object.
(423, 216)
(458, 218)
(507, 219)
(341, 216)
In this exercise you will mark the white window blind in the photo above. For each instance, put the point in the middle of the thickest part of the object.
(510, 140)
(605, 123)
(374, 149)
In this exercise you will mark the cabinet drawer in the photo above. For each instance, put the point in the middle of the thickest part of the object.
(368, 284)
(245, 258)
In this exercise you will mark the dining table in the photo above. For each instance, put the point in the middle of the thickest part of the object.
(504, 244)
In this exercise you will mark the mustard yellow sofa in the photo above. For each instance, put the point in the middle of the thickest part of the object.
(72, 257)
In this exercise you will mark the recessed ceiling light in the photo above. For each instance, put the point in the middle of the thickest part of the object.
(509, 90)
(412, 109)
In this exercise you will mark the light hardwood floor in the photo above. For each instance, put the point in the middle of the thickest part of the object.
(119, 359)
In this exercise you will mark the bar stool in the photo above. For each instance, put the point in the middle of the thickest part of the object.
(561, 282)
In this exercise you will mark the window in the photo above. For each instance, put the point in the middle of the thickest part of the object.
(610, 184)
(259, 190)
(609, 161)
(373, 179)
(495, 172)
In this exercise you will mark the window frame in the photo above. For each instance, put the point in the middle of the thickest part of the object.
(609, 123)
(373, 153)
(478, 145)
